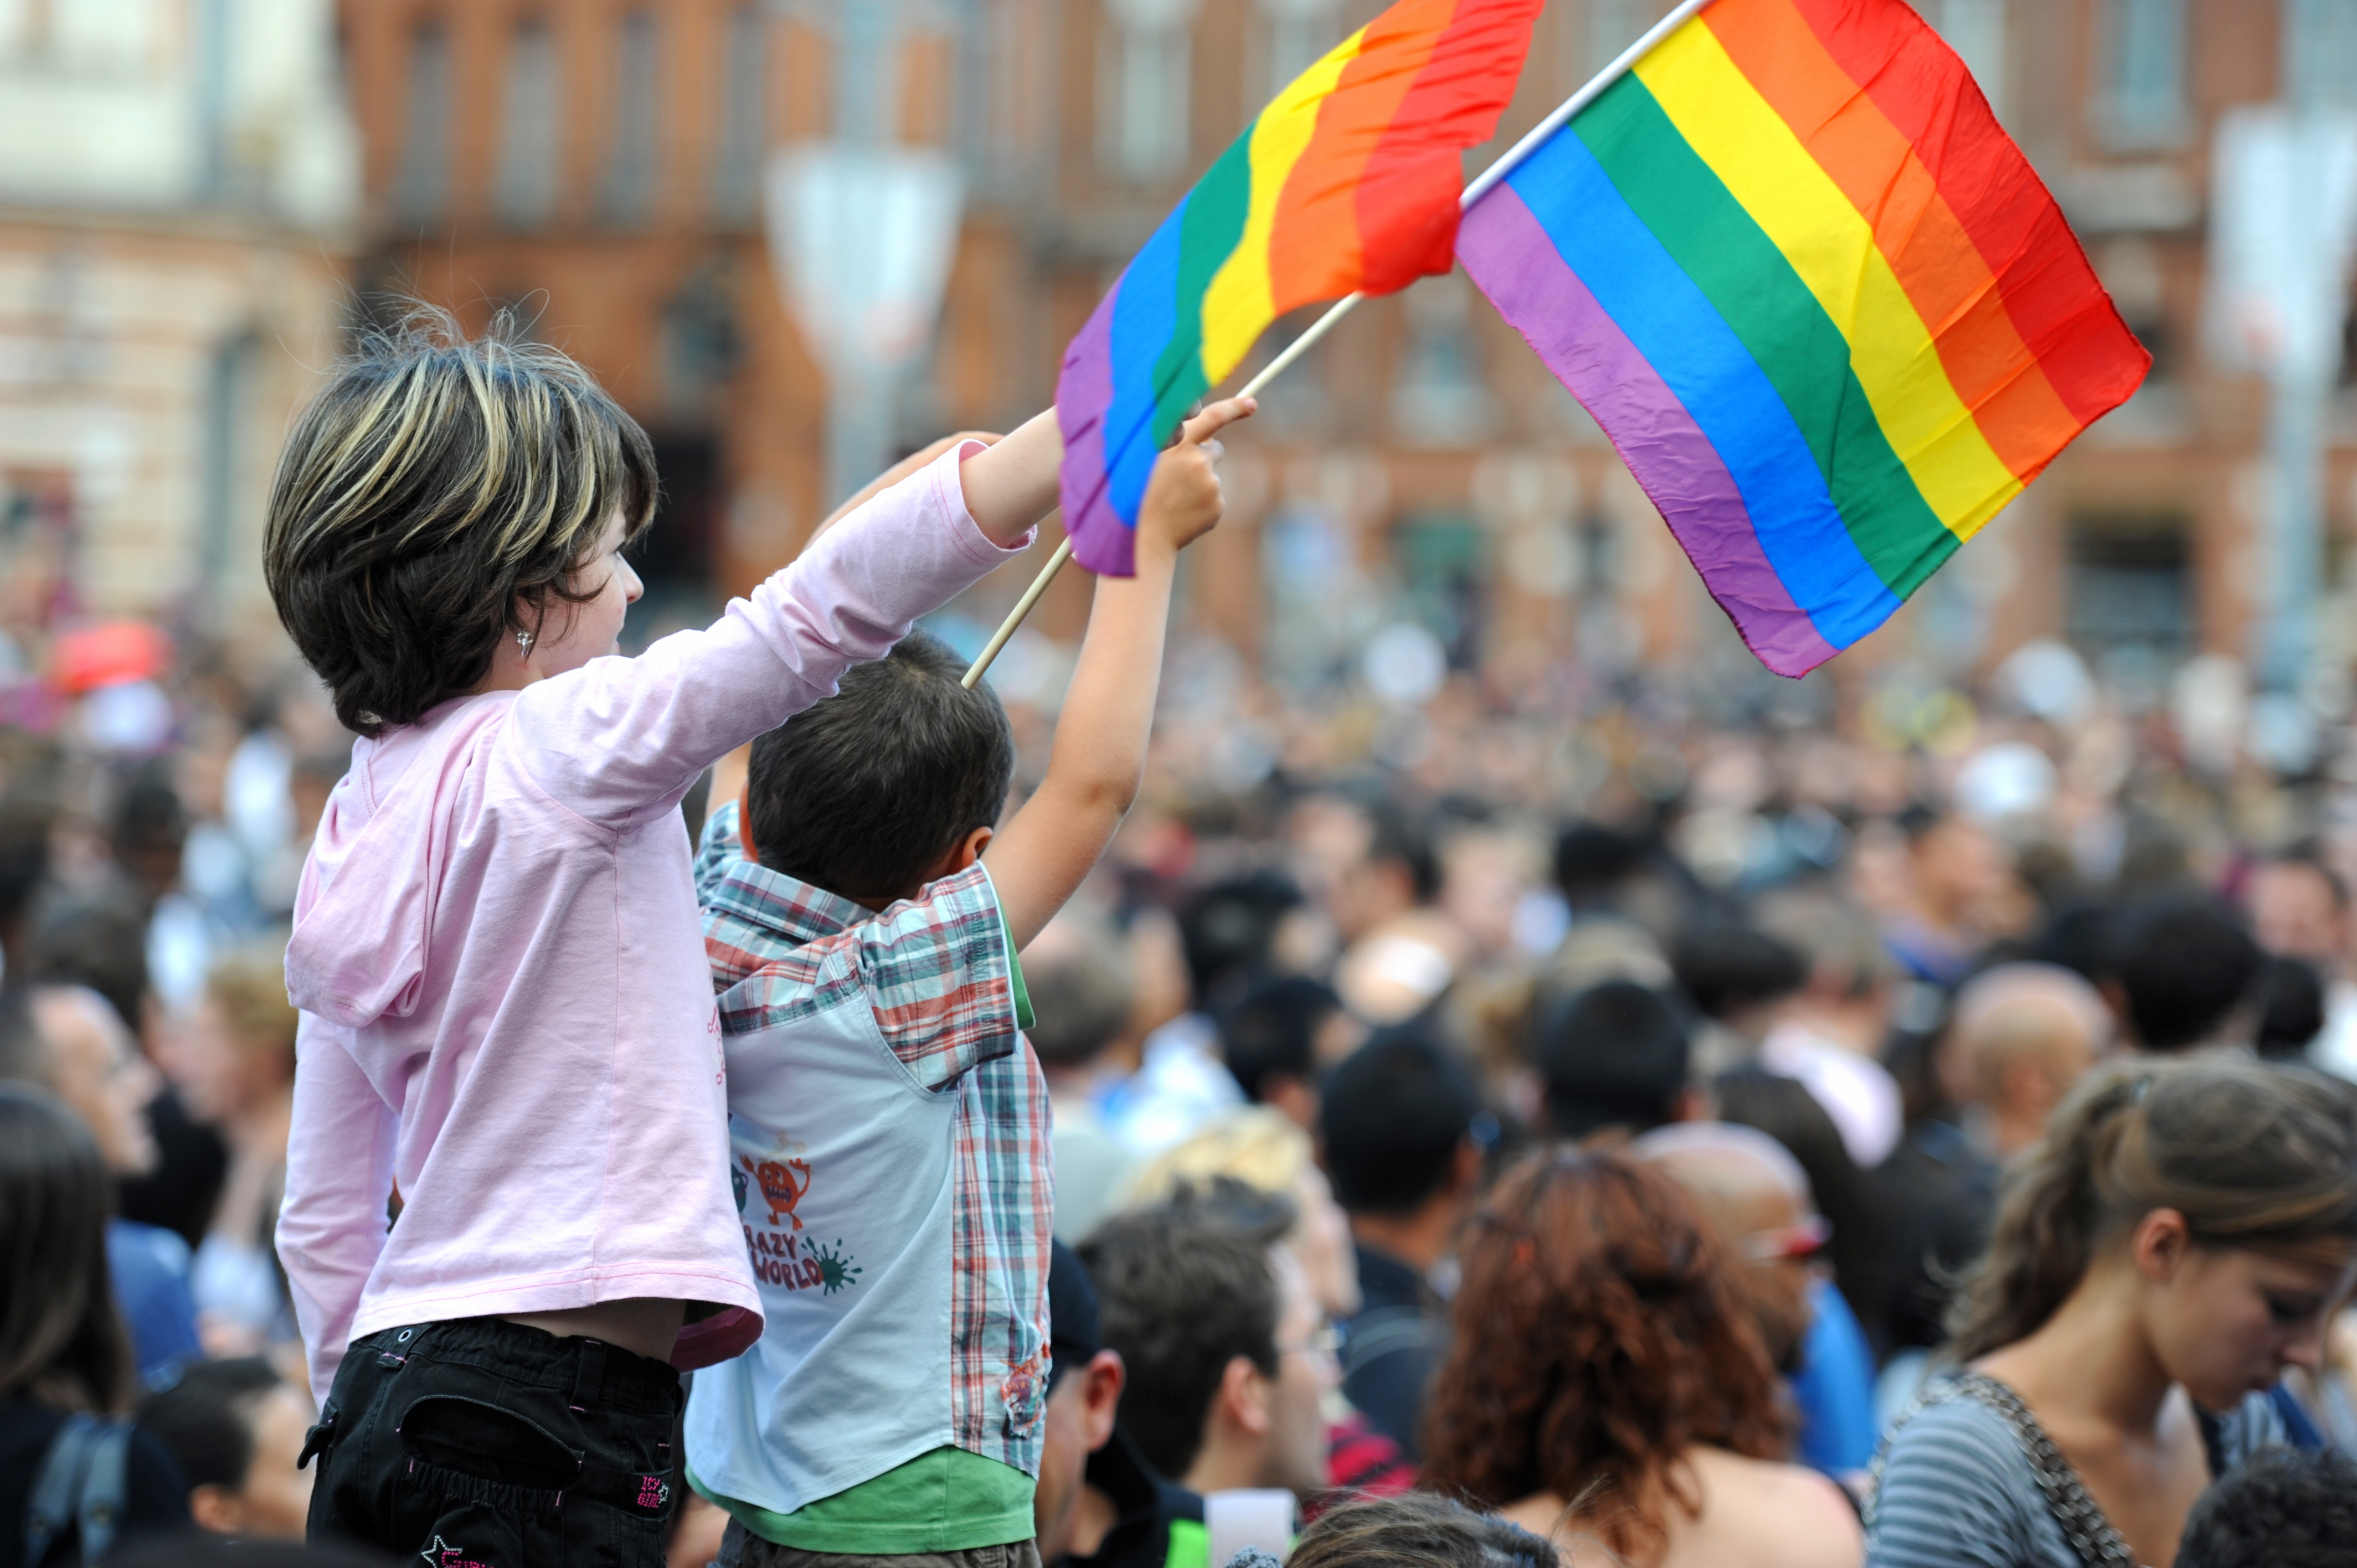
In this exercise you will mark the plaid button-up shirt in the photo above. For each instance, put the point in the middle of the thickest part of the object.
(940, 978)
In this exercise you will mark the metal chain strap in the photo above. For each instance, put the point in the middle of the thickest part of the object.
(2081, 1520)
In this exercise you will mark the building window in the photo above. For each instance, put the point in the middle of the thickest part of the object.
(524, 192)
(1975, 30)
(1440, 398)
(2320, 53)
(1143, 88)
(744, 121)
(421, 191)
(630, 163)
(2141, 84)
(2129, 592)
(1298, 33)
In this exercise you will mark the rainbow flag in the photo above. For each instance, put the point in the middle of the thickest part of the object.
(1817, 299)
(1349, 180)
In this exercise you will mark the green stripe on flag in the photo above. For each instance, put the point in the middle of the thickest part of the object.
(1209, 233)
(1764, 301)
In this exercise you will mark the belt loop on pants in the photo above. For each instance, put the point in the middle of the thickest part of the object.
(589, 1378)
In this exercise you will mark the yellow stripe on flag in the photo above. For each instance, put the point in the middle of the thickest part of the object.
(1241, 302)
(1831, 245)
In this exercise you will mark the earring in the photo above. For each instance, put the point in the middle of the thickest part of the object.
(523, 643)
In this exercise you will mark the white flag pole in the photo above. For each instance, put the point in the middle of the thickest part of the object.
(1480, 186)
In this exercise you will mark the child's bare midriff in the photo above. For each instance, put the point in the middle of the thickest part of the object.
(644, 1325)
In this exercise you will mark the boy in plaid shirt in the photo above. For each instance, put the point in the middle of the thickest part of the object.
(888, 1124)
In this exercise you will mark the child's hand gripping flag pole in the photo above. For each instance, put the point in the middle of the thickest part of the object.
(1347, 183)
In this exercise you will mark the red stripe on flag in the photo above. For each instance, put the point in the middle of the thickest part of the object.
(2049, 289)
(1407, 202)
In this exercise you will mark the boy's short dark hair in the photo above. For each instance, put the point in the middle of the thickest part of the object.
(1613, 1054)
(862, 792)
(2282, 1508)
(434, 482)
(1393, 1115)
(1183, 1291)
(206, 1419)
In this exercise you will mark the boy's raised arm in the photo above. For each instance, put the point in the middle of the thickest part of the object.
(1054, 841)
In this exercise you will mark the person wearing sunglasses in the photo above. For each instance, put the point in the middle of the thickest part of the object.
(1757, 1197)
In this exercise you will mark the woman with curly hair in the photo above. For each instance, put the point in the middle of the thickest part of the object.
(2180, 1237)
(1607, 1388)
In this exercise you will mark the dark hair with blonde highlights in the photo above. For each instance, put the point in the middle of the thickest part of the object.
(435, 482)
(2251, 1153)
(1600, 1333)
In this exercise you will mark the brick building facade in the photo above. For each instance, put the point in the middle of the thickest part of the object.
(600, 162)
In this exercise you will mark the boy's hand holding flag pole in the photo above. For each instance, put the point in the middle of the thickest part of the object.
(1779, 249)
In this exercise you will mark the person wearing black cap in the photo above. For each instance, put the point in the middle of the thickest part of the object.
(1097, 1505)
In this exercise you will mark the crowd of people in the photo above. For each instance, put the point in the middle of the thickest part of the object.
(1575, 1121)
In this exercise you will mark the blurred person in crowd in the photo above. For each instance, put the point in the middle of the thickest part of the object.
(63, 1353)
(1757, 1197)
(1856, 1252)
(234, 1060)
(1418, 1530)
(2178, 1239)
(97, 939)
(1263, 1150)
(1077, 972)
(1401, 953)
(67, 1040)
(2183, 976)
(1831, 1032)
(1955, 877)
(2019, 1038)
(25, 826)
(2282, 1508)
(2291, 1006)
(1397, 1128)
(1229, 933)
(235, 1428)
(1098, 1503)
(1606, 1387)
(146, 831)
(1228, 1354)
(1281, 1038)
(1614, 1055)
(1607, 874)
(1757, 989)
(2298, 907)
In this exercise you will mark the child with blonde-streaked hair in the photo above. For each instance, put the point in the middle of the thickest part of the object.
(508, 1035)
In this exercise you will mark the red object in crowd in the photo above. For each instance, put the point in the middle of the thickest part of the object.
(107, 654)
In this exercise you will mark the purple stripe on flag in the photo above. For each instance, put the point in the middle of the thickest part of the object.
(1100, 541)
(1508, 254)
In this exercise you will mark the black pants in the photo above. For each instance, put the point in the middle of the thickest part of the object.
(482, 1444)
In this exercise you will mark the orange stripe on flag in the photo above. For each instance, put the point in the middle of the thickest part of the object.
(1315, 248)
(1995, 372)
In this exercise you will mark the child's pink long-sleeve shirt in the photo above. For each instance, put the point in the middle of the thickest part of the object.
(506, 1006)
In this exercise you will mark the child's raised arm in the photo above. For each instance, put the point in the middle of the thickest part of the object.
(1011, 486)
(1100, 754)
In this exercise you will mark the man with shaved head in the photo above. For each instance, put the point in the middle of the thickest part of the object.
(1756, 1197)
(2019, 1038)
